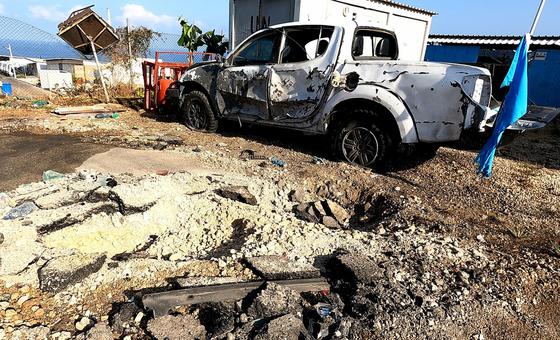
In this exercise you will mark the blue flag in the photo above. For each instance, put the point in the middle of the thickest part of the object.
(513, 108)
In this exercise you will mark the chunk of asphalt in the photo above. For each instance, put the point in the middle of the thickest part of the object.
(238, 193)
(357, 268)
(124, 316)
(61, 272)
(275, 300)
(281, 268)
(180, 327)
(281, 328)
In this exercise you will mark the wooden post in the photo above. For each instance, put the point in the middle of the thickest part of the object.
(99, 70)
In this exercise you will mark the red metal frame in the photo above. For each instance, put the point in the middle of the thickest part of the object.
(154, 72)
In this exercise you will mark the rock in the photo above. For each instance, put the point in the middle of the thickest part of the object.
(358, 268)
(275, 300)
(297, 196)
(181, 327)
(62, 272)
(281, 268)
(336, 211)
(100, 331)
(124, 317)
(330, 222)
(287, 327)
(238, 193)
(218, 319)
(83, 323)
(305, 212)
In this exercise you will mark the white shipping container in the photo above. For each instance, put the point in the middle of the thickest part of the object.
(412, 25)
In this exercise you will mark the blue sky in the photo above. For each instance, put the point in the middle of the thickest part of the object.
(455, 16)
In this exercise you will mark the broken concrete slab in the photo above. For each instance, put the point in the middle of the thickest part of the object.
(275, 300)
(358, 268)
(281, 268)
(287, 327)
(19, 248)
(181, 327)
(62, 272)
(48, 221)
(238, 193)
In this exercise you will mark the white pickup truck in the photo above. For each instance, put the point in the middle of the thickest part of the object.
(346, 82)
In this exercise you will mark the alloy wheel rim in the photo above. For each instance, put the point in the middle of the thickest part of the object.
(360, 146)
(196, 115)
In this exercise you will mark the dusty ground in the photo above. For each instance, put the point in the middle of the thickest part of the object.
(512, 218)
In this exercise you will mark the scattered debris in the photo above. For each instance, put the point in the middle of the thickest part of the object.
(275, 300)
(286, 327)
(281, 268)
(97, 109)
(107, 115)
(180, 327)
(251, 155)
(318, 160)
(59, 273)
(21, 210)
(162, 303)
(327, 212)
(278, 162)
(50, 175)
(39, 103)
(238, 193)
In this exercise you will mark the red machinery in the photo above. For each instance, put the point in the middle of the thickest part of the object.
(160, 74)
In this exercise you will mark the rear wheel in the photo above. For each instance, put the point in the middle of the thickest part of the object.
(197, 113)
(361, 141)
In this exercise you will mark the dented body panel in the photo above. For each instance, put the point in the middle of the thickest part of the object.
(429, 102)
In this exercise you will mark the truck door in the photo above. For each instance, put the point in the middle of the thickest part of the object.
(301, 78)
(243, 83)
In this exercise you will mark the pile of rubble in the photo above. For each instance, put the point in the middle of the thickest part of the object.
(79, 253)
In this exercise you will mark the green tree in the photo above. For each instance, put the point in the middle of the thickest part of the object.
(191, 36)
(214, 43)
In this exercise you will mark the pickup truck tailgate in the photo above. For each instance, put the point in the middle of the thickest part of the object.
(537, 118)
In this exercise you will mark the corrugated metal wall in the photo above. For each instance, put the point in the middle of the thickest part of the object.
(544, 78)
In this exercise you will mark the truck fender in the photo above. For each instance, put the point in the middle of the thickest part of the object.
(383, 97)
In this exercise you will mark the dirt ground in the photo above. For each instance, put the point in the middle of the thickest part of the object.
(516, 212)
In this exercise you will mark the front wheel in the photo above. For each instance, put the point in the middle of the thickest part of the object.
(361, 142)
(197, 113)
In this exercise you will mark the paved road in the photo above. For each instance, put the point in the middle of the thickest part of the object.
(24, 157)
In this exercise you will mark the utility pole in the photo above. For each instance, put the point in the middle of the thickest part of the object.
(12, 70)
(99, 70)
(109, 16)
(537, 17)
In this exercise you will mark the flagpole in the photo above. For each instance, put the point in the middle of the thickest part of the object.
(537, 17)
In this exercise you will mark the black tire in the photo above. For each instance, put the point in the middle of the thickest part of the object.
(197, 113)
(361, 141)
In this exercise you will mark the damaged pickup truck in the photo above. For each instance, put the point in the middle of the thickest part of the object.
(346, 82)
